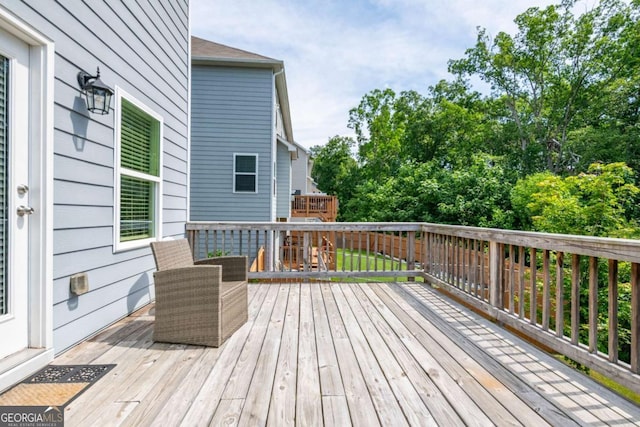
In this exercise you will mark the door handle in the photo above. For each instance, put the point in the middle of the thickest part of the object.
(25, 210)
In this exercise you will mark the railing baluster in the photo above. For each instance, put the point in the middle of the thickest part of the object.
(352, 248)
(391, 248)
(368, 253)
(267, 249)
(512, 279)
(593, 304)
(436, 255)
(402, 241)
(232, 242)
(447, 255)
(456, 262)
(466, 257)
(359, 251)
(496, 270)
(344, 250)
(559, 294)
(546, 291)
(376, 250)
(473, 289)
(293, 257)
(533, 285)
(635, 318)
(411, 255)
(521, 284)
(613, 311)
(481, 269)
(575, 299)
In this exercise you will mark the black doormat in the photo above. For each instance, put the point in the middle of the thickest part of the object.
(57, 374)
(54, 385)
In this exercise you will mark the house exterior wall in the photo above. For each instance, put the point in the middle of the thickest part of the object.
(311, 184)
(146, 53)
(232, 112)
(299, 172)
(280, 131)
(283, 182)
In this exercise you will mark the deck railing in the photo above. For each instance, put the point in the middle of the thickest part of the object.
(577, 295)
(295, 250)
(322, 207)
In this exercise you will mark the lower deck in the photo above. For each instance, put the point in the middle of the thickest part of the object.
(339, 354)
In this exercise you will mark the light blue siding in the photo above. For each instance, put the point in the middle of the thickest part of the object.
(283, 182)
(142, 47)
(231, 112)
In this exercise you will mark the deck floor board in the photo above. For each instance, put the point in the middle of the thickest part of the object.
(339, 354)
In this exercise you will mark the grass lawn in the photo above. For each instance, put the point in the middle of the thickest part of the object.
(348, 260)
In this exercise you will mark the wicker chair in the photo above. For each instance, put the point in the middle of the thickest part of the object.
(199, 303)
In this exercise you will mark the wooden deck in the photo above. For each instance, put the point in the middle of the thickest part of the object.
(339, 354)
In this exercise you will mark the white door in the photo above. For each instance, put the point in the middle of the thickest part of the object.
(14, 194)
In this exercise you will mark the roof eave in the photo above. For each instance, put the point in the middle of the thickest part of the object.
(274, 64)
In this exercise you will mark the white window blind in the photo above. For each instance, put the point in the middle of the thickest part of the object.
(139, 178)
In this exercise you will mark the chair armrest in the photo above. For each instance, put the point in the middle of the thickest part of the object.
(234, 268)
(187, 284)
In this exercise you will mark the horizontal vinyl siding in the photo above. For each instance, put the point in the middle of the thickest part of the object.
(231, 112)
(142, 47)
(283, 202)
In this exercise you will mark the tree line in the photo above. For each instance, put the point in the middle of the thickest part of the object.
(554, 146)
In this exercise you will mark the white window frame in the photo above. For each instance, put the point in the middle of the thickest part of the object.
(244, 173)
(119, 245)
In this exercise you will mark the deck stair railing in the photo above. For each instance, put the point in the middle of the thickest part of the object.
(577, 295)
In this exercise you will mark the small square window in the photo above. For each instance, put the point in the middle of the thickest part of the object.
(245, 173)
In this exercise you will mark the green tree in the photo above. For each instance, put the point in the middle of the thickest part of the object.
(476, 195)
(334, 169)
(548, 73)
(448, 125)
(601, 202)
(379, 126)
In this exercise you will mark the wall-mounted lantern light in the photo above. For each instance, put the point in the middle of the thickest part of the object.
(97, 93)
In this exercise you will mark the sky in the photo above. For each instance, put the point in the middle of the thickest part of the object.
(336, 51)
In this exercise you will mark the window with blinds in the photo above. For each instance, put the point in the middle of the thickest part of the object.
(139, 173)
(4, 178)
(245, 173)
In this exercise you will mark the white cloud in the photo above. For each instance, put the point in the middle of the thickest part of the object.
(337, 51)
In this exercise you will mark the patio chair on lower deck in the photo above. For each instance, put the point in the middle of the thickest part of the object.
(200, 303)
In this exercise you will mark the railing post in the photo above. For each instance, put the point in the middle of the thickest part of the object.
(495, 274)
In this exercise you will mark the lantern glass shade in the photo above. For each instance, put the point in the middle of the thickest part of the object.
(98, 94)
(98, 99)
